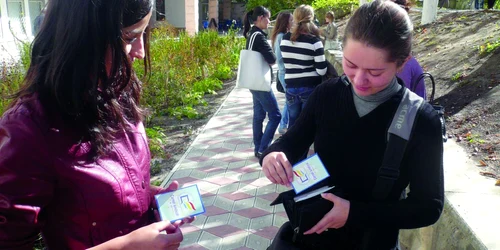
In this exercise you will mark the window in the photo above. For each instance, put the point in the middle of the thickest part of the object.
(35, 8)
(15, 12)
(1, 28)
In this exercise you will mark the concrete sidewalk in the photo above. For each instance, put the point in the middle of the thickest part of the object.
(235, 192)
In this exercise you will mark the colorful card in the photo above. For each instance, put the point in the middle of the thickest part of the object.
(307, 173)
(179, 204)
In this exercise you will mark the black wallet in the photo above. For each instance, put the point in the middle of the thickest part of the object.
(303, 215)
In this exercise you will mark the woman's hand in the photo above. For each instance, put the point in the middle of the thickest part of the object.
(337, 216)
(277, 168)
(159, 190)
(147, 237)
(150, 237)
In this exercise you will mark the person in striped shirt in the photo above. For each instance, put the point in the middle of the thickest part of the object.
(304, 59)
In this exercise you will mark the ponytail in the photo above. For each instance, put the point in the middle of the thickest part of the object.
(247, 20)
(304, 17)
(251, 16)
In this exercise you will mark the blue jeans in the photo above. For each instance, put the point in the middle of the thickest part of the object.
(296, 98)
(284, 113)
(264, 102)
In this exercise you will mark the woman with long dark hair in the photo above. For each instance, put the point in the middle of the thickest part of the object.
(74, 158)
(284, 22)
(263, 101)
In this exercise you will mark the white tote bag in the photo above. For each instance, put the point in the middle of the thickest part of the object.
(253, 71)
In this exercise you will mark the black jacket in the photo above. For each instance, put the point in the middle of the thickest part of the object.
(261, 45)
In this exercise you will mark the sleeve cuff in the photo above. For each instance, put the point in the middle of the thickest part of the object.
(355, 212)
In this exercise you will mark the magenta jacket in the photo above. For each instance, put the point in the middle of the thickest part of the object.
(47, 184)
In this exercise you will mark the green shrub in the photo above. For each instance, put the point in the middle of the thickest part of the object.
(184, 111)
(207, 85)
(12, 75)
(223, 72)
(275, 6)
(340, 8)
(179, 65)
(156, 140)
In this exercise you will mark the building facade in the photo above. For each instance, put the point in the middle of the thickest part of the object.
(17, 18)
(193, 15)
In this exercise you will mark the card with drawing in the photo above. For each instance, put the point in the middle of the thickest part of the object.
(307, 173)
(179, 204)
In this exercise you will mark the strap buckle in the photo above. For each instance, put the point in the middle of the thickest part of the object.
(389, 172)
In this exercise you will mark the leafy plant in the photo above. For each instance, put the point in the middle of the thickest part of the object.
(183, 111)
(488, 47)
(12, 75)
(457, 76)
(223, 72)
(208, 85)
(340, 8)
(276, 5)
(156, 183)
(179, 66)
(156, 140)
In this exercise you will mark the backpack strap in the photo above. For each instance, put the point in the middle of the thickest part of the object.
(398, 135)
(421, 77)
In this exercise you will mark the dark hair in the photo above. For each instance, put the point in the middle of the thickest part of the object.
(304, 22)
(68, 70)
(251, 17)
(383, 25)
(281, 25)
(213, 23)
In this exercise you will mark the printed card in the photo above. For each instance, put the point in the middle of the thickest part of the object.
(307, 173)
(179, 204)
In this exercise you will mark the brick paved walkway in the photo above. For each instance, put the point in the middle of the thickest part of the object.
(235, 192)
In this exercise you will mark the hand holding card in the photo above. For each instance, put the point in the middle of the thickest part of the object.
(179, 204)
(307, 173)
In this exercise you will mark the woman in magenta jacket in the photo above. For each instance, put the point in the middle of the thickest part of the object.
(74, 158)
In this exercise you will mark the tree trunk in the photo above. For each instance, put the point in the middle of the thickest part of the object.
(429, 11)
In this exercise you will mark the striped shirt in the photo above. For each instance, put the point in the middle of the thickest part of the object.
(304, 61)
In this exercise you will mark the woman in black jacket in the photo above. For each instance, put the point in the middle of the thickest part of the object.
(347, 119)
(263, 102)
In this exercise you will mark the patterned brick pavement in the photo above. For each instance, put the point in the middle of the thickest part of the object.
(235, 192)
